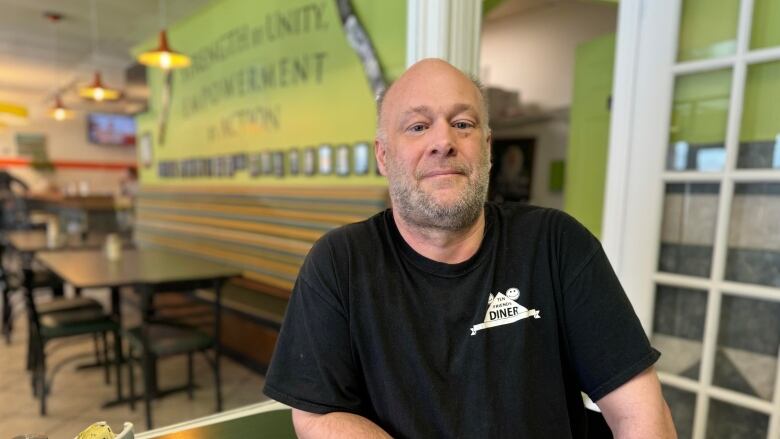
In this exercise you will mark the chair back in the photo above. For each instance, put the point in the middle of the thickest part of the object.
(183, 310)
(32, 311)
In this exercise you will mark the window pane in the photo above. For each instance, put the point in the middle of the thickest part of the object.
(754, 234)
(707, 30)
(727, 421)
(766, 24)
(759, 140)
(688, 228)
(683, 405)
(748, 339)
(699, 118)
(678, 329)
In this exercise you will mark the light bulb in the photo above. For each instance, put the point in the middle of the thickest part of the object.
(165, 60)
(99, 94)
(59, 114)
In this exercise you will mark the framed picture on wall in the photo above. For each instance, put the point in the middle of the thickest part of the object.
(230, 169)
(254, 165)
(145, 149)
(325, 160)
(294, 158)
(277, 158)
(265, 163)
(342, 160)
(309, 161)
(510, 176)
(239, 161)
(360, 158)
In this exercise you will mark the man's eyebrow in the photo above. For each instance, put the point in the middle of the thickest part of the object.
(420, 109)
(464, 107)
(425, 110)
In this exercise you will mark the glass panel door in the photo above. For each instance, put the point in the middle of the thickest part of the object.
(699, 245)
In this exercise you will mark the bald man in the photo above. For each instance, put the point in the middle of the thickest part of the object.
(447, 316)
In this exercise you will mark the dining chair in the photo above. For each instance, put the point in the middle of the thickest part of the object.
(35, 280)
(170, 329)
(60, 325)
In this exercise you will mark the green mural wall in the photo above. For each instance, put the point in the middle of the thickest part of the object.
(272, 84)
(586, 166)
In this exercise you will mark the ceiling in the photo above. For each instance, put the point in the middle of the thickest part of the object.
(40, 58)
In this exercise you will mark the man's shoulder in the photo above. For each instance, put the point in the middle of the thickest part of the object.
(529, 214)
(355, 235)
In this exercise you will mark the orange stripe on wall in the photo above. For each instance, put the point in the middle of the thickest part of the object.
(67, 164)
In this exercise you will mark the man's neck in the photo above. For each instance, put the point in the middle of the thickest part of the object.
(446, 246)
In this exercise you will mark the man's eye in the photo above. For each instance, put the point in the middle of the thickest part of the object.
(417, 128)
(462, 125)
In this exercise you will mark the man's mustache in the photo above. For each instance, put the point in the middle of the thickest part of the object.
(444, 167)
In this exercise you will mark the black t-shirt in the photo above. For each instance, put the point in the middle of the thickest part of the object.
(497, 346)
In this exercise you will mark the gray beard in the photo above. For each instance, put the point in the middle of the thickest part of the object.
(421, 210)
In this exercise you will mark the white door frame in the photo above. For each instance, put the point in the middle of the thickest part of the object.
(640, 119)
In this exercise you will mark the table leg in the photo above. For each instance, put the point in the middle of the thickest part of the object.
(217, 340)
(6, 298)
(150, 363)
(7, 326)
(28, 286)
(116, 312)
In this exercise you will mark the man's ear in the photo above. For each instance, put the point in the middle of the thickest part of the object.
(380, 151)
(490, 147)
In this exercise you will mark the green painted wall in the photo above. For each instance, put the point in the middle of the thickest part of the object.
(268, 76)
(761, 112)
(701, 104)
(700, 107)
(586, 165)
(766, 24)
(707, 29)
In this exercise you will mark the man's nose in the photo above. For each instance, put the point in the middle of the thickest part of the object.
(442, 140)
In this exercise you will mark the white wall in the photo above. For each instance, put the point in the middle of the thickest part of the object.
(67, 141)
(533, 52)
(552, 136)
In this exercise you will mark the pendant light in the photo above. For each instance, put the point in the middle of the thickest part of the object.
(58, 112)
(97, 91)
(163, 56)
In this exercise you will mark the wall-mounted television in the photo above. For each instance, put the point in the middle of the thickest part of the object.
(111, 129)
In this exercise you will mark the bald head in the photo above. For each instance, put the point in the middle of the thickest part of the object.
(423, 74)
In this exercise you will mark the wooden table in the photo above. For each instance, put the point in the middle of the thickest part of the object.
(146, 270)
(268, 419)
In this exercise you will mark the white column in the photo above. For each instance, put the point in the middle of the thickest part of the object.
(446, 29)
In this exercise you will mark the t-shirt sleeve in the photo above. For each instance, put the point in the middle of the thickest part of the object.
(312, 368)
(605, 338)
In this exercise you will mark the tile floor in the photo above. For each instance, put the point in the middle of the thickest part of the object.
(77, 395)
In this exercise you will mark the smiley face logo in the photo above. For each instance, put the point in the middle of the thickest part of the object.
(513, 293)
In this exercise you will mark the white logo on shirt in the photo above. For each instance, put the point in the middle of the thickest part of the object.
(503, 310)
